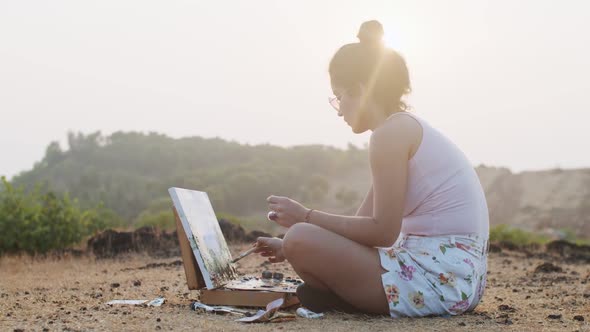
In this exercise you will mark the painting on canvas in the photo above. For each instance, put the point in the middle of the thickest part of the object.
(204, 234)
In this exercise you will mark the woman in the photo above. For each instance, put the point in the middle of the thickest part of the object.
(417, 245)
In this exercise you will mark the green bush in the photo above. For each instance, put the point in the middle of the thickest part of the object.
(162, 220)
(506, 233)
(37, 222)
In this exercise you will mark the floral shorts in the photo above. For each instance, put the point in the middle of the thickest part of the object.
(434, 275)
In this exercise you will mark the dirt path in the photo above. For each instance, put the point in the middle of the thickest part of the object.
(69, 294)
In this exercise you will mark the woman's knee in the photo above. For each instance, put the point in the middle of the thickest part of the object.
(296, 241)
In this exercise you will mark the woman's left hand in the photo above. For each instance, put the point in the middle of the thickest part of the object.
(288, 211)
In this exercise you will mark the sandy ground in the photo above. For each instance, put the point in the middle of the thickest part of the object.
(70, 294)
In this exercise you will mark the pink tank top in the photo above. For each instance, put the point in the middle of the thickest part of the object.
(444, 195)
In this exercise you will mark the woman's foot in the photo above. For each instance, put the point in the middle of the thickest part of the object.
(321, 301)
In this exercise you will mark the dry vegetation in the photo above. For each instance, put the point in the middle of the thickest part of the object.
(70, 294)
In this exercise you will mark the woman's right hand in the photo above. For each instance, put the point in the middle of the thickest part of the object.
(271, 247)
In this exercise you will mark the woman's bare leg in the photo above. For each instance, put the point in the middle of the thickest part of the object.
(311, 280)
(327, 260)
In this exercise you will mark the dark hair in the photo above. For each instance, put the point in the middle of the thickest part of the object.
(369, 62)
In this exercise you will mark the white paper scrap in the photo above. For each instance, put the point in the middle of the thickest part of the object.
(306, 313)
(128, 302)
(156, 302)
(264, 315)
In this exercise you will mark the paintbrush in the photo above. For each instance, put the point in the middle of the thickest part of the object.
(244, 254)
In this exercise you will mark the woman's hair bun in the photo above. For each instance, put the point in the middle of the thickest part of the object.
(371, 32)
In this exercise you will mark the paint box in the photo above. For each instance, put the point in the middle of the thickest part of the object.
(207, 259)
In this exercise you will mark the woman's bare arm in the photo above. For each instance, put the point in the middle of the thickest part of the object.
(366, 208)
(389, 152)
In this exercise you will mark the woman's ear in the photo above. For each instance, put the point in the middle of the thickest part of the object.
(354, 90)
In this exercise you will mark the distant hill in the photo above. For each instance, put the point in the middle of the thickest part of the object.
(131, 172)
(539, 200)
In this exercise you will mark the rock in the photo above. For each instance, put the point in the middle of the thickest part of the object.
(150, 240)
(554, 316)
(579, 318)
(232, 232)
(495, 248)
(570, 251)
(252, 236)
(506, 321)
(547, 268)
(236, 234)
(509, 245)
(505, 307)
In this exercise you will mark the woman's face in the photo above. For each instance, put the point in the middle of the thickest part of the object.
(350, 109)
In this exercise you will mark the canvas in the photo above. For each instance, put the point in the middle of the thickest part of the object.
(204, 235)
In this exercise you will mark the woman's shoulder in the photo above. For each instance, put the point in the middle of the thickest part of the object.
(402, 128)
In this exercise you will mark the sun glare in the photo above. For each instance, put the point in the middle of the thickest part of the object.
(390, 39)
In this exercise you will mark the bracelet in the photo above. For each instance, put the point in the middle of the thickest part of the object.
(308, 215)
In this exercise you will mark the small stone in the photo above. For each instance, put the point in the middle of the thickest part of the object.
(115, 285)
(505, 307)
(554, 316)
(548, 268)
(579, 318)
(137, 283)
(462, 324)
(158, 320)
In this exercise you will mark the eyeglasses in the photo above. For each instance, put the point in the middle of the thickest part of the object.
(335, 102)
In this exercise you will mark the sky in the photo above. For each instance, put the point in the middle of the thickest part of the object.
(505, 80)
